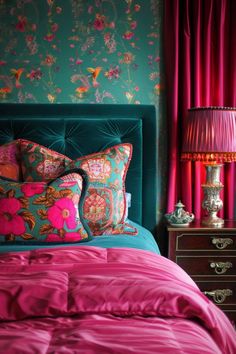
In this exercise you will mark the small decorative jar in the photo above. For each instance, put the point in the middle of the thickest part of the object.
(179, 217)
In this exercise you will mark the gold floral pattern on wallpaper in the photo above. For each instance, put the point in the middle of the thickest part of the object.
(80, 51)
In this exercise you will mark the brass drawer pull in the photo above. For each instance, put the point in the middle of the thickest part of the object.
(219, 295)
(221, 267)
(222, 243)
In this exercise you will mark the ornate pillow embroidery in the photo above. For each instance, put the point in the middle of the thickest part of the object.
(98, 169)
(40, 163)
(41, 212)
(98, 209)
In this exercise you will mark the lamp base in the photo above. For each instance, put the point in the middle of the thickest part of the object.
(213, 221)
(212, 202)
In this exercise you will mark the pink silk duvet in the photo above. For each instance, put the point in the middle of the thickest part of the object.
(95, 300)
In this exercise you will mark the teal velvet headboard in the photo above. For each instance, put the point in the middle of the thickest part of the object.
(80, 129)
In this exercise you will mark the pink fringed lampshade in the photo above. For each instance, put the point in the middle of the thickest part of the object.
(210, 135)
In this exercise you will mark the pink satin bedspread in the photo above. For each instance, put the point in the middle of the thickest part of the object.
(95, 300)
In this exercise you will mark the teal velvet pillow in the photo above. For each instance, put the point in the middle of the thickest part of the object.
(36, 212)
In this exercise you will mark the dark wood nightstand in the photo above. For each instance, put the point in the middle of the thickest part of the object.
(208, 255)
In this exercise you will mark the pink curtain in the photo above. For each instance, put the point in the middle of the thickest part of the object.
(200, 63)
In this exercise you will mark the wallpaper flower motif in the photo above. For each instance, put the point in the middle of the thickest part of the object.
(90, 51)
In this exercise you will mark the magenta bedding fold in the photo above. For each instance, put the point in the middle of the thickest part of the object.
(95, 300)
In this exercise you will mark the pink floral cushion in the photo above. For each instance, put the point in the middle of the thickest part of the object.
(9, 160)
(43, 212)
(39, 163)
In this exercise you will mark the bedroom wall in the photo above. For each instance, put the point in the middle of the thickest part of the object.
(57, 47)
(85, 51)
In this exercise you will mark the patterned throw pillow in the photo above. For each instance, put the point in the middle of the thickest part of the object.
(105, 203)
(39, 163)
(9, 164)
(38, 212)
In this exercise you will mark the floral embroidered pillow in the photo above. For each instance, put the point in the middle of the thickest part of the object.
(105, 203)
(39, 163)
(105, 206)
(38, 212)
(9, 160)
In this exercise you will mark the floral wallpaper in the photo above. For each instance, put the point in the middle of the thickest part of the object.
(90, 51)
(85, 51)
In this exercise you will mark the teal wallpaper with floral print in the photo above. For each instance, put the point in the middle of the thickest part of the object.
(85, 51)
(90, 51)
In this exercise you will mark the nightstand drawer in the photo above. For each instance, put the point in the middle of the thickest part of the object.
(205, 242)
(208, 265)
(221, 293)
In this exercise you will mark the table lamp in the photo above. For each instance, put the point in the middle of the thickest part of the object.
(210, 137)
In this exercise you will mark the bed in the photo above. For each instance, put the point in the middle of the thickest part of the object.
(66, 129)
(108, 290)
